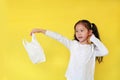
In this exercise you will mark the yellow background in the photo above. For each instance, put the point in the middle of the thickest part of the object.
(19, 17)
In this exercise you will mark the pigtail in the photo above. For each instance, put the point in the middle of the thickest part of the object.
(95, 30)
(96, 33)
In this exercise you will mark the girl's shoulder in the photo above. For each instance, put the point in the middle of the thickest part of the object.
(75, 41)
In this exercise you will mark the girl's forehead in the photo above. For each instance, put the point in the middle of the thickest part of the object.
(80, 26)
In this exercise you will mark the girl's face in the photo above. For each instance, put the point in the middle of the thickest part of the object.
(82, 33)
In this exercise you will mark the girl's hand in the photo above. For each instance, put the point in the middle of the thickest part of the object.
(92, 37)
(38, 31)
(89, 41)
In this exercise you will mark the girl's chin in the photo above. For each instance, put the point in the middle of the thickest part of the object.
(83, 42)
(80, 40)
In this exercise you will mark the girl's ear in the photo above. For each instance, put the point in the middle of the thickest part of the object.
(90, 32)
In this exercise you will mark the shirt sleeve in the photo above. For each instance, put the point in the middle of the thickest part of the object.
(59, 38)
(100, 49)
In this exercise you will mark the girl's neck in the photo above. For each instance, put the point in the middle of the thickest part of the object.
(85, 42)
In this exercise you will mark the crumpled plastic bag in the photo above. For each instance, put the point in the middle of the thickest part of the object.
(34, 50)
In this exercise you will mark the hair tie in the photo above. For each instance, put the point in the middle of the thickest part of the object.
(91, 25)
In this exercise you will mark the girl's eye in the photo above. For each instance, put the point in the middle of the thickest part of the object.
(76, 31)
(81, 30)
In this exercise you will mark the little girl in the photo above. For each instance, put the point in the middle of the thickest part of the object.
(84, 49)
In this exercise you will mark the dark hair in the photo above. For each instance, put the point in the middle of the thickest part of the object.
(89, 26)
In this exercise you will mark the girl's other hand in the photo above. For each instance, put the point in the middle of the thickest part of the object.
(38, 31)
(89, 41)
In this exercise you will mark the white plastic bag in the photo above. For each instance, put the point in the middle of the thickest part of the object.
(34, 50)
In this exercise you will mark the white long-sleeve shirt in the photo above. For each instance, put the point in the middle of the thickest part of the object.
(82, 56)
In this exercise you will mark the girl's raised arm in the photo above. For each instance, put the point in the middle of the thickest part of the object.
(100, 49)
(54, 35)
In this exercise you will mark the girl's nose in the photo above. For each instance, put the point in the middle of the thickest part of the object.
(79, 33)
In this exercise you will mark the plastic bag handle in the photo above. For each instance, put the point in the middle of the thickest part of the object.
(33, 37)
